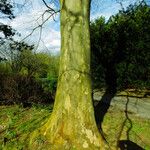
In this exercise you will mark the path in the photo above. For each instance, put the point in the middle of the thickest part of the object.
(136, 104)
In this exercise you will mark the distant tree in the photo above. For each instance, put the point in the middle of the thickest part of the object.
(15, 52)
(120, 49)
(33, 64)
(6, 10)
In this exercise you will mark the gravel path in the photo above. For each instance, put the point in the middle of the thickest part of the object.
(138, 105)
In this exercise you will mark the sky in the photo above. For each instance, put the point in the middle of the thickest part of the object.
(28, 16)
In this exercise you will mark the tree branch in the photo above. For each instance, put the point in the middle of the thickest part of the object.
(50, 8)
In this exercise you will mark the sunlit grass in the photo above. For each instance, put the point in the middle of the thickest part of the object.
(16, 124)
(117, 126)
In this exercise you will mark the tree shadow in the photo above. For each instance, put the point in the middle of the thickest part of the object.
(103, 105)
(126, 120)
(100, 111)
(128, 145)
(111, 77)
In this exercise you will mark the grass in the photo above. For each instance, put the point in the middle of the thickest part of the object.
(119, 125)
(16, 124)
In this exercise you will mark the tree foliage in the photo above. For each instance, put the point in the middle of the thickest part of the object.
(120, 49)
(6, 12)
(6, 9)
(27, 77)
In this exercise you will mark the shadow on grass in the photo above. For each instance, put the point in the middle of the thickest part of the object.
(126, 126)
(111, 81)
(128, 145)
(102, 107)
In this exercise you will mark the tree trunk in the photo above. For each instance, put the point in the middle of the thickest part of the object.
(72, 123)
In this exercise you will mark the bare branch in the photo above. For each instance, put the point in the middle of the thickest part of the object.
(52, 13)
(39, 26)
(50, 8)
(40, 35)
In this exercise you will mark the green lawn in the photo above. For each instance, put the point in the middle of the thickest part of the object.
(119, 126)
(17, 123)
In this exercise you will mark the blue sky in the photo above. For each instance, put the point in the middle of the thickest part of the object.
(28, 17)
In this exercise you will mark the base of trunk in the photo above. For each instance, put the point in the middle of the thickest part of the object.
(65, 133)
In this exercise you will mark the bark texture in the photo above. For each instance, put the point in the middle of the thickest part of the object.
(72, 123)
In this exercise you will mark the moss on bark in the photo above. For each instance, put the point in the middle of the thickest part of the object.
(72, 123)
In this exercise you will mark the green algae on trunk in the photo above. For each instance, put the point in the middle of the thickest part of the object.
(72, 123)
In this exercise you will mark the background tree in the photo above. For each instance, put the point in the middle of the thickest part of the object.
(120, 49)
(27, 77)
(6, 8)
(24, 76)
(120, 54)
(6, 11)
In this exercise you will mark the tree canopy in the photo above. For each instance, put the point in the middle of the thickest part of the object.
(120, 48)
(6, 9)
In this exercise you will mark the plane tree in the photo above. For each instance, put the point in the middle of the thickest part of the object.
(72, 123)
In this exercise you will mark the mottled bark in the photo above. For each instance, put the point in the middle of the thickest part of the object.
(72, 123)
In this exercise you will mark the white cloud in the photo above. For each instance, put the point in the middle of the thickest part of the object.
(109, 8)
(2, 35)
(97, 15)
(29, 19)
(50, 39)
